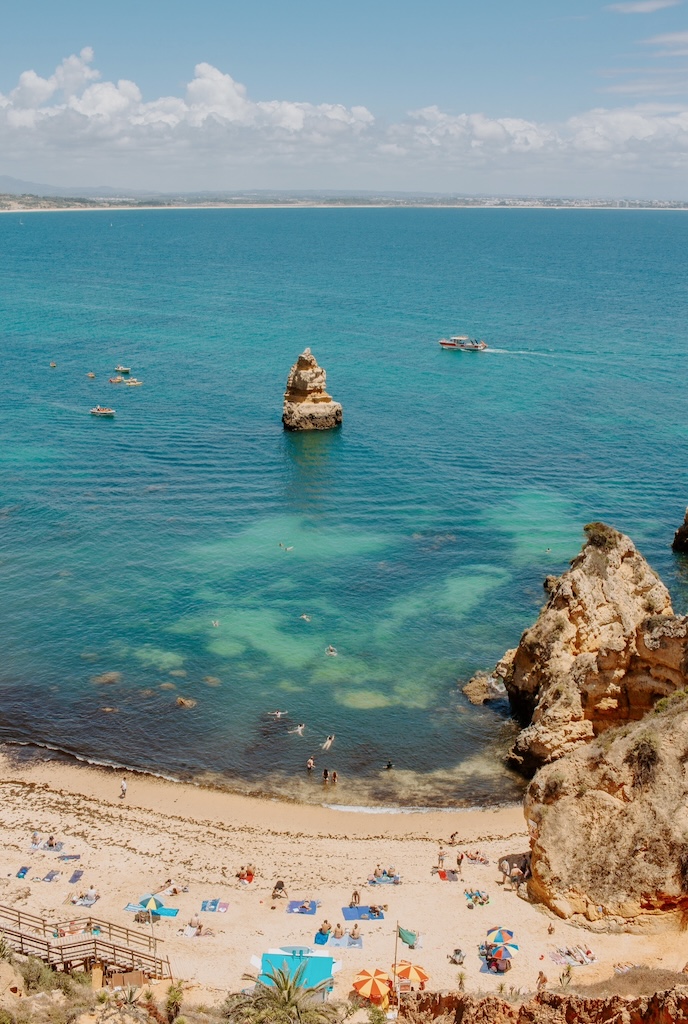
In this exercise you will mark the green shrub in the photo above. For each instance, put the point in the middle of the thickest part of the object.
(173, 1003)
(6, 951)
(37, 975)
(6, 1017)
(601, 536)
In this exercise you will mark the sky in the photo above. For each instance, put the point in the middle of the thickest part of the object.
(541, 97)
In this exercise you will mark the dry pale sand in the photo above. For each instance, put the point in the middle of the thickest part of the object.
(200, 837)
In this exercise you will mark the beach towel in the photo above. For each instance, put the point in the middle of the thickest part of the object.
(75, 877)
(295, 907)
(22, 873)
(52, 849)
(222, 908)
(189, 931)
(355, 943)
(360, 914)
(166, 911)
(51, 876)
(320, 939)
(133, 907)
(385, 880)
(210, 906)
(85, 901)
(70, 856)
(344, 941)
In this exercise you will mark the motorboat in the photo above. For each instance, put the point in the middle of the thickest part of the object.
(116, 380)
(53, 365)
(463, 343)
(133, 383)
(122, 369)
(91, 375)
(102, 410)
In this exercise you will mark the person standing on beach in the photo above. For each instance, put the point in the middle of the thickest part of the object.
(310, 764)
(440, 857)
(123, 788)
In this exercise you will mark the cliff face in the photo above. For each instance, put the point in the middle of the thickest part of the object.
(669, 1007)
(680, 542)
(608, 824)
(604, 649)
(307, 405)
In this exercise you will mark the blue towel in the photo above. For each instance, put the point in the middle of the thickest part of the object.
(344, 941)
(52, 849)
(320, 939)
(75, 877)
(294, 906)
(167, 911)
(51, 876)
(70, 856)
(356, 943)
(360, 914)
(385, 880)
(22, 873)
(210, 906)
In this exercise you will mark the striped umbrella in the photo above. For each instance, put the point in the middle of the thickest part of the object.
(151, 903)
(503, 952)
(406, 971)
(498, 936)
(372, 984)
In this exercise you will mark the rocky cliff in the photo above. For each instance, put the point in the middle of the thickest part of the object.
(609, 824)
(680, 542)
(669, 1007)
(307, 405)
(604, 649)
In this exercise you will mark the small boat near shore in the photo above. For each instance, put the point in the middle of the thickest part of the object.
(116, 380)
(133, 383)
(463, 343)
(91, 374)
(122, 369)
(103, 410)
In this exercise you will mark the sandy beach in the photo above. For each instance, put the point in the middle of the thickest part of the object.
(200, 838)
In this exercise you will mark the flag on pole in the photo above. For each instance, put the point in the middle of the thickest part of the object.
(410, 938)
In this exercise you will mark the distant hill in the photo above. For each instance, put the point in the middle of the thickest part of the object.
(18, 187)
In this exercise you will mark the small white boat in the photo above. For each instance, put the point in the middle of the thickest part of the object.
(122, 369)
(133, 383)
(116, 380)
(102, 410)
(463, 343)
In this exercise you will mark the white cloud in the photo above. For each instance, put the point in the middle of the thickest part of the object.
(671, 44)
(642, 6)
(75, 128)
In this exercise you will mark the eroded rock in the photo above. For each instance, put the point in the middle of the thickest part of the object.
(608, 824)
(680, 541)
(604, 649)
(307, 405)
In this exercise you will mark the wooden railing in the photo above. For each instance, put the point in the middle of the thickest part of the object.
(83, 953)
(21, 921)
(59, 946)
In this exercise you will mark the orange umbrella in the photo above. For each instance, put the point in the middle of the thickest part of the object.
(406, 971)
(372, 984)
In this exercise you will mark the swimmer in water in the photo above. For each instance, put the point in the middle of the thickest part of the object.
(328, 742)
(306, 618)
(277, 714)
(332, 651)
(389, 765)
(310, 764)
(298, 731)
(216, 623)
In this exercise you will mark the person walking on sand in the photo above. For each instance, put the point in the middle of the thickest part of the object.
(541, 981)
(123, 788)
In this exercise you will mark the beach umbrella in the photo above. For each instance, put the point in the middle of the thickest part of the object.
(503, 952)
(372, 984)
(406, 971)
(498, 936)
(151, 904)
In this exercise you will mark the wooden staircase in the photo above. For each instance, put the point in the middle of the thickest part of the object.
(81, 942)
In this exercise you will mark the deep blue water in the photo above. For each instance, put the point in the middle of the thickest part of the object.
(421, 531)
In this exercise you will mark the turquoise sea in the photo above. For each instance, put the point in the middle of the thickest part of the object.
(420, 533)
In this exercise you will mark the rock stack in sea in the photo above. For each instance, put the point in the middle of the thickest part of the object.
(307, 405)
(680, 542)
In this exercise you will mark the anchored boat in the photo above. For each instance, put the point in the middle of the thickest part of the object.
(102, 410)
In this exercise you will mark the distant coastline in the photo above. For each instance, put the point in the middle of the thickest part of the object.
(48, 204)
